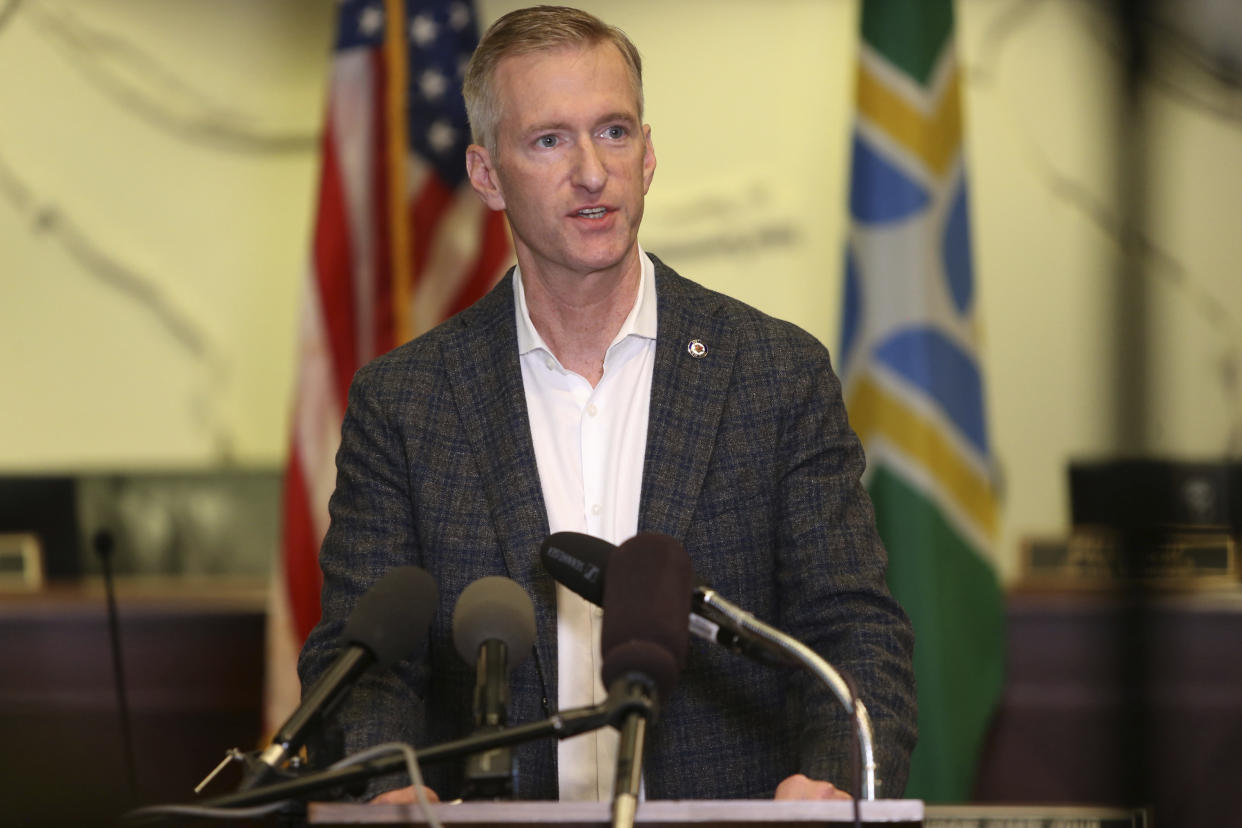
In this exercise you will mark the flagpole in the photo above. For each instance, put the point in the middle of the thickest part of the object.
(396, 58)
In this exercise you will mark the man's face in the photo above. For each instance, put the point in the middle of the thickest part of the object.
(572, 160)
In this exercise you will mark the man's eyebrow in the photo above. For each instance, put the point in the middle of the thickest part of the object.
(627, 117)
(557, 126)
(549, 126)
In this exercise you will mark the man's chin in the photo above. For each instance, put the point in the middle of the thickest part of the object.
(606, 258)
(585, 258)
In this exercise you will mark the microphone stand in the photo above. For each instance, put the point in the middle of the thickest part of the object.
(103, 548)
(492, 773)
(708, 602)
(320, 699)
(628, 780)
(613, 711)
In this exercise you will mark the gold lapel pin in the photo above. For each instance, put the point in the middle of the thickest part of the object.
(697, 349)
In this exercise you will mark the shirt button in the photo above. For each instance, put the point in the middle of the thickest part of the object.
(550, 363)
(596, 509)
(592, 410)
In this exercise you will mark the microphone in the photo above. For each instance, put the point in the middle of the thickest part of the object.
(568, 555)
(580, 563)
(493, 628)
(390, 620)
(644, 640)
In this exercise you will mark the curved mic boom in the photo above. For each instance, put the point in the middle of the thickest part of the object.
(389, 621)
(580, 562)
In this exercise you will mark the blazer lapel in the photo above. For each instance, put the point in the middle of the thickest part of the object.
(687, 398)
(481, 359)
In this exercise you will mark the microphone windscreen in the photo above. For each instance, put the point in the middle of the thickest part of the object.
(646, 608)
(578, 562)
(647, 658)
(392, 618)
(494, 608)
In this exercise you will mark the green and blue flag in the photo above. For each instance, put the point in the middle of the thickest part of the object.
(913, 384)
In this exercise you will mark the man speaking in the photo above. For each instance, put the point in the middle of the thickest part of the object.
(595, 390)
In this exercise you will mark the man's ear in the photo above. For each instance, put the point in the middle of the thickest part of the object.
(483, 178)
(649, 158)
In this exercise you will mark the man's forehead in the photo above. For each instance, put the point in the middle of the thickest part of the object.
(570, 51)
(516, 73)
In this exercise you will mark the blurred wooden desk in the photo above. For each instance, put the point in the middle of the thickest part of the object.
(193, 653)
(194, 661)
(1082, 721)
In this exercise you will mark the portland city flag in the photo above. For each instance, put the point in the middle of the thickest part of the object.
(913, 383)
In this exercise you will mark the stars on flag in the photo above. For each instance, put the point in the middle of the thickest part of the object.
(441, 137)
(371, 20)
(442, 37)
(423, 30)
(460, 17)
(361, 25)
(432, 84)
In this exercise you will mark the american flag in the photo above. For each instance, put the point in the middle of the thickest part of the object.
(401, 242)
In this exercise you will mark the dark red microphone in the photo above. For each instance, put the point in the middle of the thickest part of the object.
(643, 642)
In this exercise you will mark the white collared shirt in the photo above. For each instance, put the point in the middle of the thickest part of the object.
(589, 447)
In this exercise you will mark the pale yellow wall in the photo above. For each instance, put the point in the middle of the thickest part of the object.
(176, 140)
(1041, 110)
(154, 133)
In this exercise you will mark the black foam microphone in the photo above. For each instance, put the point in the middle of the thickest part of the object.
(389, 621)
(643, 641)
(494, 629)
(580, 563)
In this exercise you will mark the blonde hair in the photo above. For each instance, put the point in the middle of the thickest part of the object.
(536, 29)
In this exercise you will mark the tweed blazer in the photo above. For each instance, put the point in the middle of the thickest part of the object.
(750, 463)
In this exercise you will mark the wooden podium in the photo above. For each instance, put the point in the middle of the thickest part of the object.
(658, 814)
(738, 814)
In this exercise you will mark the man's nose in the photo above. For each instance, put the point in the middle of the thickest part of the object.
(589, 171)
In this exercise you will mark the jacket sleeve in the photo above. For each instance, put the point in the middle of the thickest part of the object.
(371, 531)
(830, 580)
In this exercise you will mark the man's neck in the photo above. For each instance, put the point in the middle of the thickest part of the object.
(578, 316)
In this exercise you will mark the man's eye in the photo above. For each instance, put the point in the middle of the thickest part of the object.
(615, 132)
(546, 141)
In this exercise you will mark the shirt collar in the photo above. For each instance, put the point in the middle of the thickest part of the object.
(640, 322)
